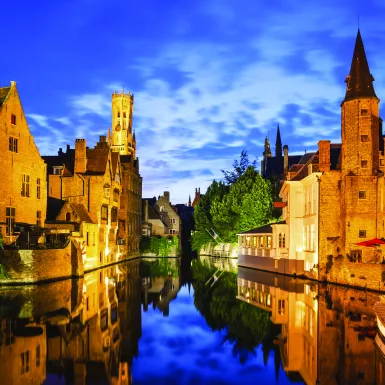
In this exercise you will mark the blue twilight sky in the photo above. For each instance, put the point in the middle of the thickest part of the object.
(210, 77)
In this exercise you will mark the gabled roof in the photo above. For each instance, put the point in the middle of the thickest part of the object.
(4, 91)
(54, 206)
(82, 212)
(274, 165)
(360, 80)
(97, 161)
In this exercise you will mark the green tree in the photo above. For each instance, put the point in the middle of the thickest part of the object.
(202, 214)
(247, 205)
(240, 168)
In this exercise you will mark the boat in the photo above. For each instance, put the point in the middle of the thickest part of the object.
(379, 309)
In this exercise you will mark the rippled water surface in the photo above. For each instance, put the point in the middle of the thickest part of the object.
(165, 321)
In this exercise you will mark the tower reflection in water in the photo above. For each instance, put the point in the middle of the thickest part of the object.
(71, 331)
(327, 332)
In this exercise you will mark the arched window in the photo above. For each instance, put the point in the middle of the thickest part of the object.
(68, 217)
(282, 240)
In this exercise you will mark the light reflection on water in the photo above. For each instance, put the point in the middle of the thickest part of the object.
(156, 322)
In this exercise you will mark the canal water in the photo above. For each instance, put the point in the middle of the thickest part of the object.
(172, 321)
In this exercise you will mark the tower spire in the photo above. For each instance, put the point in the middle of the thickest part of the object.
(278, 144)
(359, 82)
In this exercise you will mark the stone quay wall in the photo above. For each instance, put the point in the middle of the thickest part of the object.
(32, 266)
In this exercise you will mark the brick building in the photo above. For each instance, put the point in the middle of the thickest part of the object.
(95, 194)
(23, 191)
(335, 198)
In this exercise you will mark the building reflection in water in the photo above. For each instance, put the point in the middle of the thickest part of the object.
(72, 331)
(327, 331)
(161, 282)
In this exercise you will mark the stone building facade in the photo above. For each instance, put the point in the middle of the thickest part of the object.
(23, 191)
(160, 217)
(334, 199)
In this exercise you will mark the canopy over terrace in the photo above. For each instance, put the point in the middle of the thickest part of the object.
(261, 240)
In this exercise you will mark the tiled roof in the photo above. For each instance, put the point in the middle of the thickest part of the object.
(97, 160)
(54, 206)
(3, 94)
(274, 165)
(82, 213)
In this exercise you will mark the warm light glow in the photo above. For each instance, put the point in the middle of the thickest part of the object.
(381, 327)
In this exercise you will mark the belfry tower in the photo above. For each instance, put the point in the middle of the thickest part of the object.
(122, 138)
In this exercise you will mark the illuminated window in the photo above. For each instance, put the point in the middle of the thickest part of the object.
(382, 162)
(10, 220)
(104, 213)
(13, 144)
(282, 240)
(68, 217)
(116, 193)
(25, 185)
(281, 306)
(364, 138)
(57, 170)
(38, 188)
(106, 191)
(38, 218)
(13, 119)
(362, 194)
(268, 241)
(261, 241)
(362, 233)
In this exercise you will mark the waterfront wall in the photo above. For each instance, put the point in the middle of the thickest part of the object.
(220, 250)
(25, 266)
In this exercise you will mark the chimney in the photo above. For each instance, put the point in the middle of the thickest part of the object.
(68, 147)
(285, 158)
(60, 152)
(324, 155)
(146, 211)
(80, 156)
(102, 139)
(167, 196)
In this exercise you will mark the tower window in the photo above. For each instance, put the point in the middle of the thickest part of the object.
(362, 234)
(124, 115)
(364, 112)
(362, 194)
(118, 114)
(364, 138)
(364, 163)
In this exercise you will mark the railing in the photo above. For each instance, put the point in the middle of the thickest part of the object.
(39, 246)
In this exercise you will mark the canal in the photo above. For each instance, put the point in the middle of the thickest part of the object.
(170, 321)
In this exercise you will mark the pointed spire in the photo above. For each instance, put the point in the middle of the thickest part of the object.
(109, 136)
(359, 82)
(278, 144)
(189, 201)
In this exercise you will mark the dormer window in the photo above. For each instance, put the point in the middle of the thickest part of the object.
(68, 217)
(57, 170)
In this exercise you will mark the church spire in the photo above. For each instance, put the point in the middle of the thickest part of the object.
(189, 201)
(278, 144)
(359, 82)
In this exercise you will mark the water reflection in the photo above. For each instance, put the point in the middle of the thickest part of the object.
(155, 321)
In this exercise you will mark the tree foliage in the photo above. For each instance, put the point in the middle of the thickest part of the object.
(160, 246)
(240, 168)
(230, 209)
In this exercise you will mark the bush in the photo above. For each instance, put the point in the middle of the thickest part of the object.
(160, 246)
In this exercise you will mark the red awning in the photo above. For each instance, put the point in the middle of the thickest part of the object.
(279, 205)
(371, 243)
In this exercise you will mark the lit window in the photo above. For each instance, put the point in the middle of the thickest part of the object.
(268, 241)
(382, 162)
(9, 220)
(24, 362)
(38, 188)
(57, 170)
(364, 163)
(38, 218)
(13, 144)
(281, 306)
(362, 194)
(104, 213)
(364, 138)
(106, 191)
(362, 233)
(13, 119)
(282, 240)
(25, 185)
